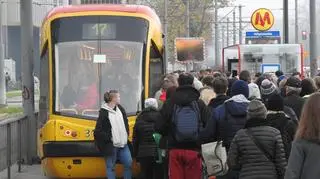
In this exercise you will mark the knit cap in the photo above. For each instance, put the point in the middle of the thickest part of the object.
(257, 109)
(151, 102)
(267, 87)
(240, 87)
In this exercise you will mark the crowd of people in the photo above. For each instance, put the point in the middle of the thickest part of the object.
(268, 123)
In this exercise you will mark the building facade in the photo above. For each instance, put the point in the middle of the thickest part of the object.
(10, 10)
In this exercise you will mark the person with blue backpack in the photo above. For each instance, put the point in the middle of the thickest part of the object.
(183, 118)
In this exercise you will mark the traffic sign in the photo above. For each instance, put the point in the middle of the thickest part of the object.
(262, 19)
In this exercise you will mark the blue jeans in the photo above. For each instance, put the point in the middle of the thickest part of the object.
(124, 156)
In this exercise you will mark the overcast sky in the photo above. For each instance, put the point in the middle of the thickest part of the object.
(251, 5)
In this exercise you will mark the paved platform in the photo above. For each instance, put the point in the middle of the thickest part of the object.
(28, 172)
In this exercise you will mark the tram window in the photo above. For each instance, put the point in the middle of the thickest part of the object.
(44, 86)
(155, 70)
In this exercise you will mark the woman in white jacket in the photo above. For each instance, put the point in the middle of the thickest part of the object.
(111, 135)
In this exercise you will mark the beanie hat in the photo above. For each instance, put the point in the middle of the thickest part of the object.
(240, 87)
(151, 102)
(185, 79)
(254, 91)
(257, 109)
(294, 82)
(275, 103)
(267, 87)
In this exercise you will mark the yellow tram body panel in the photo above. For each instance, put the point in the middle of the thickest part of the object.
(56, 128)
(64, 167)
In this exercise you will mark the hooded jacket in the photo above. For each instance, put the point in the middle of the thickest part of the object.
(143, 142)
(103, 132)
(229, 118)
(209, 134)
(118, 129)
(184, 95)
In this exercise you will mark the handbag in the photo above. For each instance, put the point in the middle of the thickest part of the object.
(214, 155)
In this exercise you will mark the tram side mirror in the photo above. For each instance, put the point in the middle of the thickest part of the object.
(154, 51)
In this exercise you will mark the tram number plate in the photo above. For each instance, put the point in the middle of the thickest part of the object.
(88, 133)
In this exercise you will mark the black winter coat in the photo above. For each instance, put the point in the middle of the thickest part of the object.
(245, 156)
(295, 102)
(143, 142)
(103, 134)
(291, 114)
(287, 128)
(184, 95)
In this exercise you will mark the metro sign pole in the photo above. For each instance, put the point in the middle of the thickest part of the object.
(286, 21)
(313, 39)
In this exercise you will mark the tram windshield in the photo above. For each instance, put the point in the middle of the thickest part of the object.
(90, 59)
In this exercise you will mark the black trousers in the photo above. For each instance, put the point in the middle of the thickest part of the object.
(150, 169)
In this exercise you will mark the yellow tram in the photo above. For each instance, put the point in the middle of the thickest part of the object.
(85, 51)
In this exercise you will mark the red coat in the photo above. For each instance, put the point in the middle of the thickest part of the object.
(90, 98)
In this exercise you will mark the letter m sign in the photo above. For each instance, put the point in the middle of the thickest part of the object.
(262, 19)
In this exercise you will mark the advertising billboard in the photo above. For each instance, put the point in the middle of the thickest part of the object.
(189, 49)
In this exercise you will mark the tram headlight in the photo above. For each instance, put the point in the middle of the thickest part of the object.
(74, 134)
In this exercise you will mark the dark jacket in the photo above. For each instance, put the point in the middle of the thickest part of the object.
(295, 102)
(209, 134)
(103, 134)
(184, 95)
(304, 160)
(227, 119)
(143, 142)
(215, 102)
(291, 114)
(287, 128)
(246, 157)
